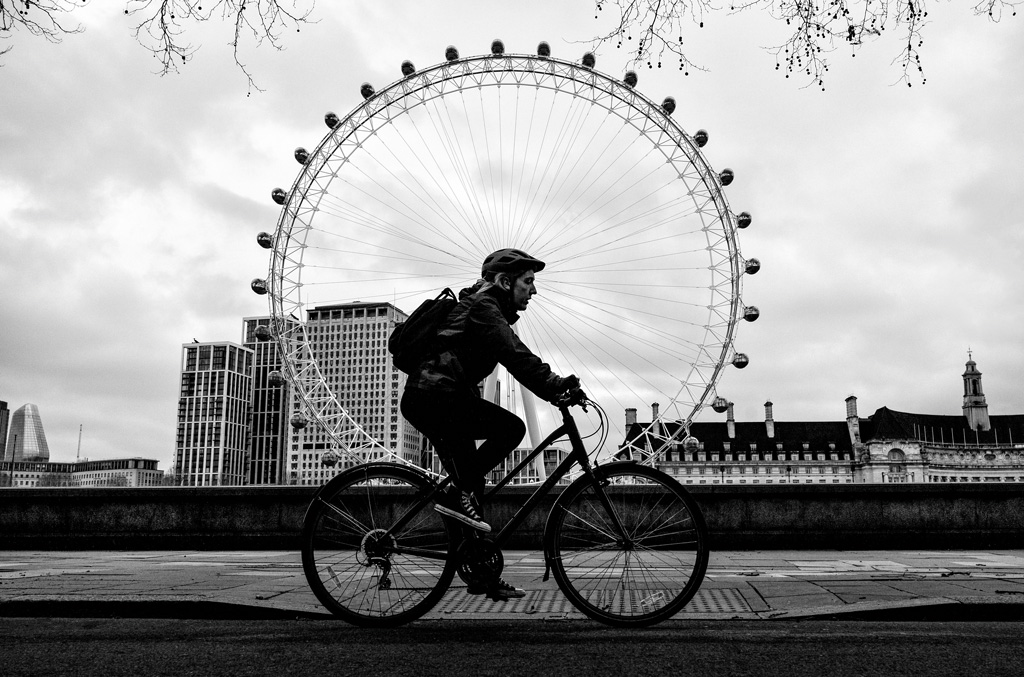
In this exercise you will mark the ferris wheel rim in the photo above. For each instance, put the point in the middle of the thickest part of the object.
(299, 208)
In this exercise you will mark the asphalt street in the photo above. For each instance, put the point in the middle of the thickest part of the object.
(506, 648)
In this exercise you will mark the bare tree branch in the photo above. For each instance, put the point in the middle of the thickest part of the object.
(161, 25)
(816, 29)
(41, 18)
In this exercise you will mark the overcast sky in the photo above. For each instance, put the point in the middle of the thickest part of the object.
(886, 218)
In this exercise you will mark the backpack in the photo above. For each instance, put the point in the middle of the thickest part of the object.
(412, 341)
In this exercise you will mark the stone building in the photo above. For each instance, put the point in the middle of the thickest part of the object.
(886, 447)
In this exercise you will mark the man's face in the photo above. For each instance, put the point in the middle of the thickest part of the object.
(522, 289)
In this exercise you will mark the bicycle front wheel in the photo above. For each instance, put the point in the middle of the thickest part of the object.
(374, 553)
(635, 560)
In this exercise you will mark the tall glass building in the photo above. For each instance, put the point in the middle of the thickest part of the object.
(26, 440)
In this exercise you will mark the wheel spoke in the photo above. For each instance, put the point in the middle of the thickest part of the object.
(646, 577)
(359, 565)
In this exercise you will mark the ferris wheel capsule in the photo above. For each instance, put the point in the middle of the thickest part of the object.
(668, 105)
(589, 60)
(366, 89)
(691, 444)
(743, 219)
(275, 378)
(259, 286)
(279, 195)
(497, 47)
(740, 360)
(451, 54)
(299, 420)
(544, 50)
(301, 155)
(751, 313)
(262, 333)
(752, 266)
(265, 240)
(720, 404)
(700, 138)
(331, 120)
(726, 176)
(407, 68)
(630, 79)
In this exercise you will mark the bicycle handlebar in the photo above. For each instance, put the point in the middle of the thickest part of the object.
(573, 397)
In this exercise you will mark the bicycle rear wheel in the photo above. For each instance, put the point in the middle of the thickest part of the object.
(642, 575)
(359, 564)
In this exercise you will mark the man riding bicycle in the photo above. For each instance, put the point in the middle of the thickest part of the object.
(442, 397)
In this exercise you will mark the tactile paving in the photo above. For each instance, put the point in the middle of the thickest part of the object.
(458, 601)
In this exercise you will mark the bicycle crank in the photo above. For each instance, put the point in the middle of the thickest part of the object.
(480, 562)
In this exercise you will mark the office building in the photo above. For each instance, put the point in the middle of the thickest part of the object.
(26, 438)
(350, 345)
(213, 414)
(270, 405)
(120, 472)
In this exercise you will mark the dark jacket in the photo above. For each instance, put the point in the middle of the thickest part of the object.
(477, 337)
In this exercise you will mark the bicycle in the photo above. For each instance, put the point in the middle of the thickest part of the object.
(626, 543)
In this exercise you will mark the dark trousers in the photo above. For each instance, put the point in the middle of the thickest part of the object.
(454, 422)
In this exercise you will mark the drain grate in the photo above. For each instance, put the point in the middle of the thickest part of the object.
(457, 601)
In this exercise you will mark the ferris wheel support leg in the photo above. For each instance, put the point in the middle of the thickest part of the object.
(530, 413)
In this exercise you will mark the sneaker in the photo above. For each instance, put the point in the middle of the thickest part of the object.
(463, 507)
(499, 591)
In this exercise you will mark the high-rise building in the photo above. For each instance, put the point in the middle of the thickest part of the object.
(268, 422)
(27, 440)
(5, 416)
(213, 414)
(350, 345)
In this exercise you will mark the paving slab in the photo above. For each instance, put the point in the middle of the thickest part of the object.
(739, 585)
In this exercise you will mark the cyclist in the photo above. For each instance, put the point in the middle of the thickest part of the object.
(442, 397)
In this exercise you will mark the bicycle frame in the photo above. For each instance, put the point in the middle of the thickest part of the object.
(577, 455)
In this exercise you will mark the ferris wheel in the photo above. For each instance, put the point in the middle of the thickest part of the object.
(409, 192)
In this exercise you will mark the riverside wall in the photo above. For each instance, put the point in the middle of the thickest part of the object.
(858, 517)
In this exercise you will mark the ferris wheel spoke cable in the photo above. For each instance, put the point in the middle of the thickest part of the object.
(628, 240)
(603, 304)
(413, 215)
(427, 197)
(616, 288)
(444, 138)
(605, 197)
(673, 345)
(359, 217)
(549, 214)
(558, 150)
(574, 194)
(588, 343)
(375, 223)
(457, 156)
(532, 193)
(591, 209)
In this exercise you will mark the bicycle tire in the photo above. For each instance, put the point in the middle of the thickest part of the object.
(357, 570)
(643, 579)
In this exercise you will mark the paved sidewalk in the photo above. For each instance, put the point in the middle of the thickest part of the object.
(947, 585)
